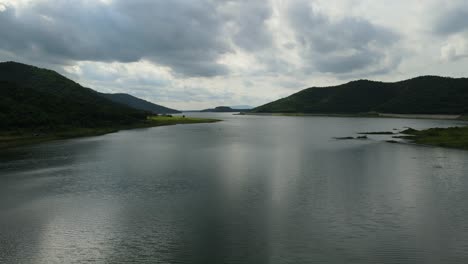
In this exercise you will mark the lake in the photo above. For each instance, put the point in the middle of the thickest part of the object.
(250, 189)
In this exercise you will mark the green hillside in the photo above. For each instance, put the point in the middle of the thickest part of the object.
(38, 105)
(222, 109)
(40, 98)
(422, 95)
(137, 103)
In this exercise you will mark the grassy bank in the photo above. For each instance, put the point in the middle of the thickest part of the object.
(17, 138)
(174, 120)
(309, 114)
(453, 137)
(367, 115)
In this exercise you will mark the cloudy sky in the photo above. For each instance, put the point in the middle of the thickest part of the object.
(191, 54)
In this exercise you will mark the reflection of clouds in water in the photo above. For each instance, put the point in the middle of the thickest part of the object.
(85, 233)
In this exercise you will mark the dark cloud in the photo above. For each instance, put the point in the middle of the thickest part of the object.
(346, 63)
(251, 31)
(339, 46)
(187, 36)
(452, 21)
(451, 25)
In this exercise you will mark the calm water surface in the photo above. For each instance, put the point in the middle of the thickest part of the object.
(250, 189)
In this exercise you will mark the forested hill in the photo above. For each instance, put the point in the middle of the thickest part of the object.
(421, 95)
(32, 97)
(138, 103)
(223, 109)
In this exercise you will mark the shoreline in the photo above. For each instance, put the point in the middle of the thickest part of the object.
(12, 140)
(422, 116)
(450, 137)
(368, 115)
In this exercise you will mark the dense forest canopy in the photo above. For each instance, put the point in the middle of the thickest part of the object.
(422, 95)
(31, 97)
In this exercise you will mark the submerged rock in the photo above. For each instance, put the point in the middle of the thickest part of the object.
(343, 138)
(376, 133)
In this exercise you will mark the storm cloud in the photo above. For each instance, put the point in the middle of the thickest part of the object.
(186, 36)
(452, 20)
(342, 46)
(234, 51)
(451, 23)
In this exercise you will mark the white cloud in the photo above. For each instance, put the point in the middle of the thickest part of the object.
(455, 49)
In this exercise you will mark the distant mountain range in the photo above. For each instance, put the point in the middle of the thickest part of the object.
(35, 98)
(421, 95)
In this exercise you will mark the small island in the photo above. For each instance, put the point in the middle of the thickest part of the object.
(452, 137)
(167, 120)
(223, 109)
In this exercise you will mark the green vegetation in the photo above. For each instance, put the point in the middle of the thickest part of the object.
(223, 109)
(39, 105)
(137, 103)
(376, 133)
(313, 114)
(174, 120)
(343, 138)
(16, 138)
(422, 95)
(26, 137)
(43, 100)
(31, 110)
(453, 137)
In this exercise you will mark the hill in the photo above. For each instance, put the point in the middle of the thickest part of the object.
(26, 108)
(421, 95)
(243, 107)
(137, 103)
(223, 109)
(50, 101)
(38, 105)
